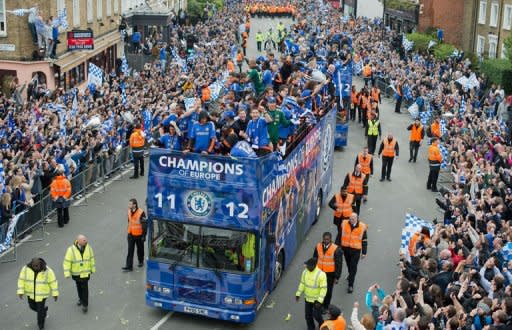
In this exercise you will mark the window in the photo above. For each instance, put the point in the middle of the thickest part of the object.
(507, 17)
(99, 9)
(482, 13)
(90, 11)
(495, 9)
(480, 46)
(203, 247)
(503, 51)
(76, 12)
(116, 6)
(60, 5)
(108, 4)
(493, 46)
(3, 19)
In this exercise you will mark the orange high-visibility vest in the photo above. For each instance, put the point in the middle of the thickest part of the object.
(231, 66)
(136, 139)
(435, 129)
(343, 207)
(60, 187)
(413, 241)
(355, 183)
(389, 148)
(134, 225)
(434, 154)
(352, 238)
(416, 132)
(355, 98)
(326, 261)
(338, 324)
(365, 163)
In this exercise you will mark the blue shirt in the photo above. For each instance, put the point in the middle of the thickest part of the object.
(267, 78)
(163, 54)
(257, 132)
(171, 117)
(202, 135)
(136, 37)
(171, 142)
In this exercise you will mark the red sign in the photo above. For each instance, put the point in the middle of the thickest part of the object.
(80, 39)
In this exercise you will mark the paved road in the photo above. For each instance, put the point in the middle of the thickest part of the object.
(117, 299)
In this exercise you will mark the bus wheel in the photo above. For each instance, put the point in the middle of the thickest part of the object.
(318, 206)
(278, 271)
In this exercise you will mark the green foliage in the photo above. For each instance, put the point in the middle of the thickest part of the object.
(401, 4)
(499, 71)
(195, 8)
(443, 51)
(508, 47)
(420, 41)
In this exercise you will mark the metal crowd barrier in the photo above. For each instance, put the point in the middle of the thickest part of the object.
(93, 176)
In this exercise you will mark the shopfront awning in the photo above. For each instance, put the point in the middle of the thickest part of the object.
(71, 59)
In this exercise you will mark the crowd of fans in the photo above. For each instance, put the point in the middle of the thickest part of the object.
(456, 277)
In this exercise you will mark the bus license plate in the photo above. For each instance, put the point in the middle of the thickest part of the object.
(194, 310)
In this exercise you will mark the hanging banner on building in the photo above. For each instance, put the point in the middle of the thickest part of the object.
(80, 40)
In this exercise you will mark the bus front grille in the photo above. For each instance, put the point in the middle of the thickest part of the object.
(197, 290)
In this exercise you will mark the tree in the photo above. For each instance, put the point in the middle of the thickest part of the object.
(508, 47)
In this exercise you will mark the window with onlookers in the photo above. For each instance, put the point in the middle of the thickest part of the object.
(493, 46)
(507, 17)
(480, 44)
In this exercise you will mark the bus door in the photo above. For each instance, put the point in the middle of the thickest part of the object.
(267, 259)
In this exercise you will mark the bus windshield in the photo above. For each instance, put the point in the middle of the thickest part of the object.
(203, 247)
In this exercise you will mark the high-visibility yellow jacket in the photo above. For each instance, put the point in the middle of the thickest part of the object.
(313, 285)
(76, 264)
(39, 288)
(260, 37)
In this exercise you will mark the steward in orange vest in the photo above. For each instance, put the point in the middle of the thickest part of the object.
(334, 320)
(342, 204)
(354, 183)
(330, 260)
(366, 161)
(435, 128)
(354, 243)
(417, 134)
(136, 234)
(60, 191)
(137, 143)
(389, 149)
(434, 159)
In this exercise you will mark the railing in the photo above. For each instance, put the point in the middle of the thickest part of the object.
(93, 176)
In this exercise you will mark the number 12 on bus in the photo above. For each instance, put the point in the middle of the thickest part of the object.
(222, 230)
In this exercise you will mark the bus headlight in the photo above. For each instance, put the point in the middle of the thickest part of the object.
(232, 300)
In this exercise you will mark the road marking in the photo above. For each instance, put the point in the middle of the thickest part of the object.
(162, 321)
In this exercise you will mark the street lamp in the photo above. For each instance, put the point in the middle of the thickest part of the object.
(383, 18)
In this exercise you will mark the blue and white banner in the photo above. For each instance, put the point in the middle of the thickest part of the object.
(357, 67)
(407, 44)
(444, 128)
(189, 102)
(445, 154)
(431, 43)
(124, 66)
(413, 224)
(95, 75)
(6, 244)
(19, 12)
(62, 19)
(425, 117)
(506, 251)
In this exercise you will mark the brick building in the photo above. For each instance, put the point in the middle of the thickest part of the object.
(446, 15)
(17, 51)
(492, 26)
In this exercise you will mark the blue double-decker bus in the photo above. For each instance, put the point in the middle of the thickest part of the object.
(222, 230)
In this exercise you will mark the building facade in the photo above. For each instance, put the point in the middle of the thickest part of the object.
(492, 26)
(21, 58)
(445, 15)
(401, 15)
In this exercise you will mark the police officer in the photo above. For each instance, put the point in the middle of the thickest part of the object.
(373, 131)
(354, 183)
(434, 159)
(330, 260)
(335, 320)
(259, 40)
(415, 137)
(137, 142)
(366, 161)
(313, 283)
(342, 204)
(389, 149)
(136, 234)
(79, 263)
(354, 243)
(269, 38)
(37, 281)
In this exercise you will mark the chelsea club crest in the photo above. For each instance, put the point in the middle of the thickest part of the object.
(199, 203)
(326, 159)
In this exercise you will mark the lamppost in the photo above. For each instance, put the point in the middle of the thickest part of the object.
(383, 18)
